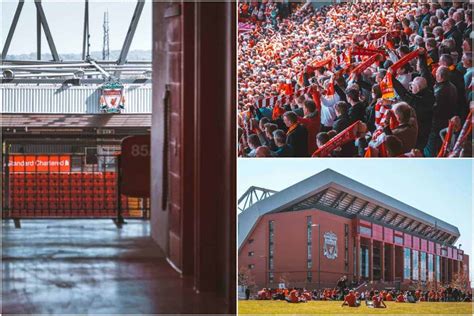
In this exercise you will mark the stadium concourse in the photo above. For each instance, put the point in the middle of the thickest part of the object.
(355, 79)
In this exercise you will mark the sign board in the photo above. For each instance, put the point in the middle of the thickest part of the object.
(281, 285)
(135, 166)
(112, 99)
(42, 163)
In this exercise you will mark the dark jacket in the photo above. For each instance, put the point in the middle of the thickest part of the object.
(284, 151)
(407, 133)
(357, 112)
(298, 139)
(434, 54)
(461, 26)
(423, 103)
(457, 36)
(341, 123)
(370, 116)
(444, 108)
(467, 31)
(457, 79)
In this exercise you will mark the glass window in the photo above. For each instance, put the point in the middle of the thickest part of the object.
(365, 230)
(438, 269)
(250, 240)
(430, 267)
(398, 240)
(271, 246)
(406, 264)
(250, 253)
(270, 277)
(423, 266)
(251, 266)
(364, 262)
(416, 265)
(309, 276)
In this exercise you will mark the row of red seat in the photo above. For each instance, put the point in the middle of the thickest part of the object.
(74, 175)
(66, 190)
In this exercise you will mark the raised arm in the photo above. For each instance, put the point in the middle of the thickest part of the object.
(425, 72)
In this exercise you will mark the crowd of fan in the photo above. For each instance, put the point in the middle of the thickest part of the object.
(283, 52)
(372, 298)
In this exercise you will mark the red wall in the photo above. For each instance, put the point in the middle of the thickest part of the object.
(290, 254)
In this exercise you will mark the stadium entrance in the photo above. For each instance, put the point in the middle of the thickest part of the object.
(60, 158)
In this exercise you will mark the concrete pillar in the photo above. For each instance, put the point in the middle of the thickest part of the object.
(382, 250)
(357, 255)
(392, 264)
(371, 260)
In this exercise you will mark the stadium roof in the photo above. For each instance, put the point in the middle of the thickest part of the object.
(338, 194)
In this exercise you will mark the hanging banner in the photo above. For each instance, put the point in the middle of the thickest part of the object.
(112, 99)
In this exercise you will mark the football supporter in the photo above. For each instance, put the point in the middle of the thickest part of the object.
(351, 300)
(369, 55)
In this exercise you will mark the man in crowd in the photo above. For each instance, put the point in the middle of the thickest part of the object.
(297, 135)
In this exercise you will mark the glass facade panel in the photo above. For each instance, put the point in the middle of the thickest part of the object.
(438, 269)
(309, 228)
(406, 264)
(416, 265)
(423, 266)
(271, 248)
(364, 262)
(430, 267)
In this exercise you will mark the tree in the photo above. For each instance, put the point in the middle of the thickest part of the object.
(460, 281)
(246, 278)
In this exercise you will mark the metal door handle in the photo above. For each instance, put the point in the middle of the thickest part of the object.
(165, 183)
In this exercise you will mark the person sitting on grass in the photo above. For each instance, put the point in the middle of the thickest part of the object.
(410, 298)
(377, 301)
(351, 300)
(294, 297)
(400, 298)
(389, 297)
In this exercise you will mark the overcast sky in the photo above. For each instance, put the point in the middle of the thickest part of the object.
(66, 18)
(439, 187)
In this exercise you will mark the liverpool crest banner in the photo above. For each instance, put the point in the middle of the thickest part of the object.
(112, 99)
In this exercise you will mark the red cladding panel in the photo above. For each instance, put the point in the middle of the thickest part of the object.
(450, 252)
(424, 246)
(407, 240)
(416, 243)
(388, 235)
(377, 232)
(455, 254)
(365, 223)
(431, 248)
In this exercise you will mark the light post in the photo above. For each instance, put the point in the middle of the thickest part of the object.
(319, 254)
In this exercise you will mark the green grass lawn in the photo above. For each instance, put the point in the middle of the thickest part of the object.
(318, 307)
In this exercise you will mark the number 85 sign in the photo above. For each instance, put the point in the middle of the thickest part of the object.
(135, 166)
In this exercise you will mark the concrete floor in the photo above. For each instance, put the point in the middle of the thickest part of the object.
(91, 267)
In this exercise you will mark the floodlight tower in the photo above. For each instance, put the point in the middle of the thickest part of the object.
(105, 47)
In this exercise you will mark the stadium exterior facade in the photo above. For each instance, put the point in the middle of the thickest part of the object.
(327, 226)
